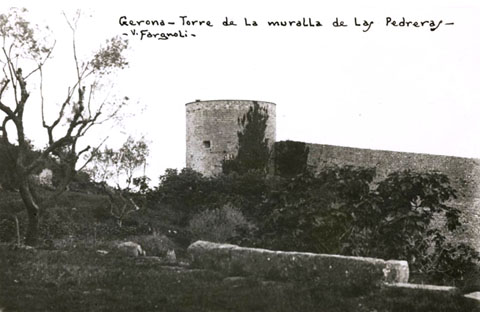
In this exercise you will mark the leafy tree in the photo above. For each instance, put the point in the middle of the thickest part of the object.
(101, 168)
(315, 212)
(342, 210)
(253, 151)
(185, 193)
(24, 56)
(409, 202)
(131, 157)
(110, 164)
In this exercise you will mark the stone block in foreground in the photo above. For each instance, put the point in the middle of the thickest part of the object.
(323, 269)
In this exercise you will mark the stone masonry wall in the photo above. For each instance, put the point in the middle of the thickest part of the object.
(211, 137)
(212, 128)
(464, 174)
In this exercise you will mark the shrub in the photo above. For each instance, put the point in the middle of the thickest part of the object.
(58, 222)
(221, 225)
(8, 228)
(184, 193)
(450, 262)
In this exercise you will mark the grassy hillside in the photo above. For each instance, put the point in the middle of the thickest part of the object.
(75, 216)
(82, 280)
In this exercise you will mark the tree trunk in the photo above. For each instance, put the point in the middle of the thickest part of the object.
(33, 212)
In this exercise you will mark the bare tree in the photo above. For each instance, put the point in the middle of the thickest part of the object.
(23, 57)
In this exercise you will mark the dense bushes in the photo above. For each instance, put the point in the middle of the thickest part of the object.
(182, 194)
(342, 210)
(316, 212)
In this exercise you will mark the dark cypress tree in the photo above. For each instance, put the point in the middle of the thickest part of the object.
(253, 151)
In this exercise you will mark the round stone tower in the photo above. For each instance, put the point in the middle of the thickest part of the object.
(212, 128)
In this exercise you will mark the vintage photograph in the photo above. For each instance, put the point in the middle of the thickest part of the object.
(239, 156)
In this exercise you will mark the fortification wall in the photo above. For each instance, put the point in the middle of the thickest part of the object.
(464, 174)
(212, 128)
(212, 137)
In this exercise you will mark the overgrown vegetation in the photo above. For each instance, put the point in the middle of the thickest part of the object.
(340, 210)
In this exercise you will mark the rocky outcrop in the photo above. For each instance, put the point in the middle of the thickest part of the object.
(326, 270)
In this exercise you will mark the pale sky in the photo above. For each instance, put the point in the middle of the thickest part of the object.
(393, 88)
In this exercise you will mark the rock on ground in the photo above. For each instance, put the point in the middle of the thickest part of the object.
(131, 249)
